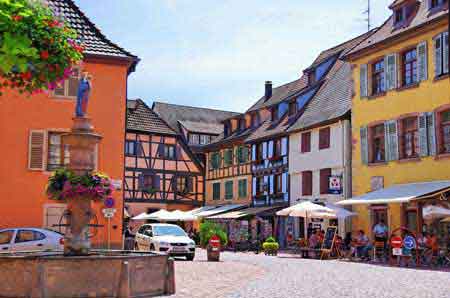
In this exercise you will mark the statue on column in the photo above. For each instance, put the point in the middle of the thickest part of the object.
(84, 90)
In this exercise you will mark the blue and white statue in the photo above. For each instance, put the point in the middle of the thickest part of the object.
(84, 89)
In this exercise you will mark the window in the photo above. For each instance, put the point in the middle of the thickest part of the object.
(6, 237)
(275, 113)
(277, 148)
(324, 181)
(324, 138)
(205, 139)
(445, 132)
(378, 77)
(399, 15)
(68, 88)
(242, 154)
(228, 157)
(437, 3)
(255, 119)
(242, 124)
(307, 183)
(409, 142)
(278, 184)
(184, 184)
(55, 151)
(292, 108)
(228, 190)
(169, 152)
(323, 68)
(260, 186)
(216, 191)
(28, 235)
(148, 182)
(259, 152)
(215, 160)
(306, 142)
(130, 148)
(378, 150)
(194, 139)
(227, 128)
(243, 188)
(409, 67)
(282, 109)
(311, 78)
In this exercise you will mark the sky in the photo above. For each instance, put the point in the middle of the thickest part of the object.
(218, 54)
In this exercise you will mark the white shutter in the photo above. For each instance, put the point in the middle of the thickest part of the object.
(254, 186)
(264, 153)
(390, 64)
(284, 146)
(387, 155)
(363, 81)
(431, 127)
(271, 184)
(438, 55)
(364, 145)
(271, 143)
(392, 132)
(422, 61)
(284, 180)
(445, 52)
(266, 182)
(253, 152)
(36, 150)
(423, 139)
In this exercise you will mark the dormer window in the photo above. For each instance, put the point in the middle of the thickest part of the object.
(292, 108)
(242, 124)
(275, 113)
(227, 129)
(255, 119)
(311, 78)
(436, 4)
(400, 15)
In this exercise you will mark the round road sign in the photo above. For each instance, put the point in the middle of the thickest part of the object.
(396, 242)
(409, 242)
(109, 202)
(214, 241)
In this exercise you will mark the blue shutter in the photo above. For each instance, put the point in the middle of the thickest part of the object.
(284, 182)
(253, 152)
(270, 149)
(264, 153)
(266, 184)
(271, 184)
(254, 186)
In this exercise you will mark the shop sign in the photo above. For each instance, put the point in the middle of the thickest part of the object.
(335, 185)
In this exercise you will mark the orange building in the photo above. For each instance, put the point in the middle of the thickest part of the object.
(31, 128)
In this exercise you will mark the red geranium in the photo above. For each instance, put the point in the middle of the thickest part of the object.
(44, 55)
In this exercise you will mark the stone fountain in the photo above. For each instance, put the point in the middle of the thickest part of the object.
(79, 271)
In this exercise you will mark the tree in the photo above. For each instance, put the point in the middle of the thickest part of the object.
(37, 48)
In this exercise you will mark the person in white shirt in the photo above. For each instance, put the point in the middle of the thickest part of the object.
(380, 231)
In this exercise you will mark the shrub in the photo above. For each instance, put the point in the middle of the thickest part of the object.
(271, 240)
(270, 246)
(209, 229)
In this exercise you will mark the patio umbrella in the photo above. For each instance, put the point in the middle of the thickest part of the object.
(435, 212)
(155, 215)
(447, 219)
(178, 215)
(341, 213)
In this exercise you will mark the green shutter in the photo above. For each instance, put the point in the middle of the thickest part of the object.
(364, 145)
(390, 63)
(392, 140)
(423, 139)
(422, 62)
(228, 157)
(438, 55)
(243, 188)
(445, 52)
(216, 191)
(229, 190)
(363, 80)
(431, 127)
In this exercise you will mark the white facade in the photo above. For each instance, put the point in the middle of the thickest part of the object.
(337, 158)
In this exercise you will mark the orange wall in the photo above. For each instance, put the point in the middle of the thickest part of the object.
(22, 191)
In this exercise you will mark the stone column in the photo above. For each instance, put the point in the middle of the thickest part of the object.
(82, 141)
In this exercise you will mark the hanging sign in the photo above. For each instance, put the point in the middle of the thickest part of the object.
(109, 212)
(335, 185)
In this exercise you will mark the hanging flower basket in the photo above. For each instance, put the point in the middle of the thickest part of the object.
(65, 185)
(37, 48)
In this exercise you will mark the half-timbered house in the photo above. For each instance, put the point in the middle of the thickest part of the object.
(161, 172)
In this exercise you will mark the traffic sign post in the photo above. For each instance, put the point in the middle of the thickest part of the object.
(409, 242)
(108, 213)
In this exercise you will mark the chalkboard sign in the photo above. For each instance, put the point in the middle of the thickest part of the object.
(330, 237)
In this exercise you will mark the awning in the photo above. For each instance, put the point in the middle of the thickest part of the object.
(220, 209)
(201, 209)
(241, 213)
(400, 193)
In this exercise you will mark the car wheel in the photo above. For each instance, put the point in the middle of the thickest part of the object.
(190, 257)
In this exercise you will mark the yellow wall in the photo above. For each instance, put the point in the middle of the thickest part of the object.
(428, 96)
(233, 173)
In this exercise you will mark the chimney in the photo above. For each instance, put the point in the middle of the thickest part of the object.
(268, 93)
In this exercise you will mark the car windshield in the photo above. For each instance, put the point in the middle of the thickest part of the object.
(168, 230)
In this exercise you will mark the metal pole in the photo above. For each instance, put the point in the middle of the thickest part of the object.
(109, 232)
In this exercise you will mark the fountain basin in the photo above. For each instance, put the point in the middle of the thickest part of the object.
(121, 274)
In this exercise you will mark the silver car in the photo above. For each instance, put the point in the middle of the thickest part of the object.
(30, 239)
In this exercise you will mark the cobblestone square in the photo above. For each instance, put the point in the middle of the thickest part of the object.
(246, 275)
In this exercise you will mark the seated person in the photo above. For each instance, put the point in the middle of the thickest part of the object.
(348, 241)
(432, 247)
(314, 240)
(362, 245)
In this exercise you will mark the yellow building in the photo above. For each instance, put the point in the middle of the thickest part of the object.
(401, 117)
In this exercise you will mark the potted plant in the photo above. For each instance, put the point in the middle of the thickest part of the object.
(270, 247)
(209, 230)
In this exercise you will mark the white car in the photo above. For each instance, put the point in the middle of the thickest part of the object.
(167, 238)
(30, 239)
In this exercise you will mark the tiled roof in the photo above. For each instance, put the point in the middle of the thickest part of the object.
(96, 43)
(269, 129)
(236, 136)
(202, 127)
(280, 93)
(387, 30)
(172, 114)
(141, 118)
